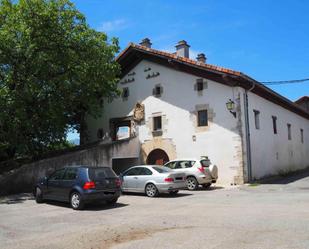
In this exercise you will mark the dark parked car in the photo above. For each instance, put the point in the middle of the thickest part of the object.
(79, 185)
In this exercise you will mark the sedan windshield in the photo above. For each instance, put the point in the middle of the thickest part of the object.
(161, 169)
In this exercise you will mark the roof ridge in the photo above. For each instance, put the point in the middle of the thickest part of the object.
(184, 59)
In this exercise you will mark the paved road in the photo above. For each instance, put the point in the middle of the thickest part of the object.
(264, 216)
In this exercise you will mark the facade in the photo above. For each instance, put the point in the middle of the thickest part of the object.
(181, 108)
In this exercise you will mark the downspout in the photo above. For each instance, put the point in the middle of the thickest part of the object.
(247, 131)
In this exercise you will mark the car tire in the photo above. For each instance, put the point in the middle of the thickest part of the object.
(151, 190)
(175, 192)
(207, 185)
(112, 201)
(38, 195)
(76, 201)
(192, 183)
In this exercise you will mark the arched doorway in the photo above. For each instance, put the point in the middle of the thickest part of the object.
(158, 157)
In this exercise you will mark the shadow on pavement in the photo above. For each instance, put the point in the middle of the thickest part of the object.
(163, 195)
(285, 179)
(211, 188)
(15, 199)
(90, 206)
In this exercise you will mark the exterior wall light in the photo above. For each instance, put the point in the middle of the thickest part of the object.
(230, 106)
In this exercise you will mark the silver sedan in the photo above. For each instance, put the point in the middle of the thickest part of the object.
(152, 180)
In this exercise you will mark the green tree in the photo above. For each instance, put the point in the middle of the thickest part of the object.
(54, 70)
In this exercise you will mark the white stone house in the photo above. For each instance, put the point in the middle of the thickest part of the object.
(186, 116)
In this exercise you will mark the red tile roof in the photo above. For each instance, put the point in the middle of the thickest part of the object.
(181, 59)
(302, 99)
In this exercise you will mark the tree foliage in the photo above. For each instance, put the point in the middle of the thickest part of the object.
(54, 70)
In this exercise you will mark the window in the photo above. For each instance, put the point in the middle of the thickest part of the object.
(257, 119)
(157, 91)
(302, 136)
(274, 118)
(70, 174)
(145, 172)
(58, 175)
(202, 118)
(171, 165)
(289, 132)
(184, 164)
(132, 172)
(161, 169)
(157, 123)
(199, 85)
(125, 93)
(100, 173)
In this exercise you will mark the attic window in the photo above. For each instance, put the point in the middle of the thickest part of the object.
(125, 93)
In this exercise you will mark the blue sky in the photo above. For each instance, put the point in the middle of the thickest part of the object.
(267, 40)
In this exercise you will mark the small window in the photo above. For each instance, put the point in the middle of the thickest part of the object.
(274, 118)
(289, 132)
(157, 123)
(125, 93)
(257, 119)
(157, 91)
(202, 118)
(200, 85)
(302, 136)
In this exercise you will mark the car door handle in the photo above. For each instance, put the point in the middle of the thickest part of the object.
(135, 177)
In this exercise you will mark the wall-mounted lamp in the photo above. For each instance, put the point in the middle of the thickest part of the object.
(230, 105)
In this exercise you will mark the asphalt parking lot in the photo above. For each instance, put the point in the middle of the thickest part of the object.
(263, 216)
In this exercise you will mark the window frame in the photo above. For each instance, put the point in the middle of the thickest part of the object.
(199, 119)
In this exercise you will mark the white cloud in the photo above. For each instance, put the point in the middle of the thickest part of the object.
(114, 25)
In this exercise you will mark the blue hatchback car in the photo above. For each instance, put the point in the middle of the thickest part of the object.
(79, 185)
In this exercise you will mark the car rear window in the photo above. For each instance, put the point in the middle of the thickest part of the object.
(97, 173)
(161, 169)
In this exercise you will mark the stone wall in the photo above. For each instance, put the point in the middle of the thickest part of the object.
(100, 154)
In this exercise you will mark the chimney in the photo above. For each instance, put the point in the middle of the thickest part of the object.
(146, 43)
(201, 58)
(182, 49)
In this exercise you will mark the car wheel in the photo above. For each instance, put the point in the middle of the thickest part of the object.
(175, 192)
(151, 190)
(112, 201)
(192, 183)
(207, 185)
(76, 201)
(38, 195)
